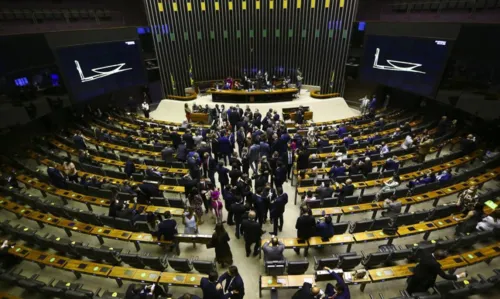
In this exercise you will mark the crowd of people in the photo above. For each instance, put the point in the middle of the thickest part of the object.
(261, 153)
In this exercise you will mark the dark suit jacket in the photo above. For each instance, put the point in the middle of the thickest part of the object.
(306, 227)
(129, 168)
(251, 230)
(236, 284)
(425, 274)
(304, 292)
(209, 289)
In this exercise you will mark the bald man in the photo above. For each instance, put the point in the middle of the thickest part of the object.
(308, 292)
(252, 232)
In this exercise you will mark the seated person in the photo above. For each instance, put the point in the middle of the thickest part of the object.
(167, 228)
(309, 196)
(337, 171)
(273, 251)
(307, 291)
(325, 228)
(384, 149)
(126, 188)
(396, 133)
(489, 222)
(348, 141)
(428, 178)
(391, 164)
(392, 206)
(346, 189)
(389, 186)
(444, 176)
(380, 122)
(153, 172)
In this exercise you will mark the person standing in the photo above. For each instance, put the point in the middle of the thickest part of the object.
(145, 109)
(238, 209)
(254, 156)
(426, 272)
(252, 232)
(223, 174)
(232, 283)
(196, 202)
(424, 148)
(225, 148)
(277, 210)
(187, 110)
(288, 158)
(220, 241)
(190, 222)
(340, 291)
(306, 227)
(209, 286)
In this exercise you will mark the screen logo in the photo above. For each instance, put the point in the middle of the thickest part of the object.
(440, 42)
(396, 66)
(130, 43)
(100, 72)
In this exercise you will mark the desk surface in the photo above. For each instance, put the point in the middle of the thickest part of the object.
(251, 93)
(285, 281)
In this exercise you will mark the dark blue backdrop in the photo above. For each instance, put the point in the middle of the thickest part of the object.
(98, 55)
(425, 51)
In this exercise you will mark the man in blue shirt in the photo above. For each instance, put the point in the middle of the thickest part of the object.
(325, 228)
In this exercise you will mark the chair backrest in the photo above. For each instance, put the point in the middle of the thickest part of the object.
(400, 254)
(419, 216)
(126, 196)
(306, 183)
(467, 241)
(180, 264)
(361, 226)
(340, 228)
(142, 226)
(154, 262)
(132, 260)
(376, 258)
(297, 267)
(204, 267)
(110, 256)
(350, 200)
(330, 202)
(124, 224)
(159, 201)
(176, 203)
(77, 294)
(349, 262)
(404, 219)
(314, 204)
(381, 223)
(445, 244)
(330, 262)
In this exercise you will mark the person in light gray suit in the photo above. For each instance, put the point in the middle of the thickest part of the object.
(273, 251)
(254, 156)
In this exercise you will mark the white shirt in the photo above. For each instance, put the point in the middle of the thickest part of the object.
(488, 224)
(407, 143)
(384, 150)
(145, 106)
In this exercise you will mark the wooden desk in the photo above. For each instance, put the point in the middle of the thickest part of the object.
(323, 275)
(370, 236)
(201, 118)
(8, 296)
(181, 279)
(390, 273)
(43, 259)
(308, 115)
(252, 96)
(288, 242)
(405, 177)
(163, 122)
(482, 254)
(95, 269)
(284, 282)
(132, 274)
(132, 127)
(344, 239)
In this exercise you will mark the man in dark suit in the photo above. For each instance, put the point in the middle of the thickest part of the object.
(210, 288)
(129, 168)
(277, 210)
(223, 173)
(188, 139)
(288, 158)
(149, 190)
(182, 152)
(324, 191)
(79, 141)
(346, 189)
(167, 153)
(209, 166)
(232, 284)
(426, 272)
(176, 138)
(55, 176)
(234, 117)
(279, 175)
(252, 232)
(306, 227)
(238, 209)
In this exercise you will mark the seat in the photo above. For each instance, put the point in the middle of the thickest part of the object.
(31, 284)
(375, 258)
(116, 174)
(330, 262)
(124, 224)
(297, 267)
(110, 256)
(381, 223)
(204, 267)
(176, 203)
(350, 262)
(361, 226)
(350, 200)
(154, 262)
(78, 294)
(445, 244)
(132, 259)
(340, 228)
(89, 217)
(306, 183)
(126, 196)
(180, 264)
(399, 254)
(107, 220)
(314, 204)
(330, 202)
(419, 216)
(159, 201)
(404, 219)
(142, 226)
(84, 250)
(467, 241)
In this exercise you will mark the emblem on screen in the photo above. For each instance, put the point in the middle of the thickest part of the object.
(103, 71)
(396, 66)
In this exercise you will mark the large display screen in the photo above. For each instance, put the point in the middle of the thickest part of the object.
(408, 63)
(93, 69)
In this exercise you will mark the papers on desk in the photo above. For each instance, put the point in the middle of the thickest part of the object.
(347, 277)
(490, 204)
(308, 280)
(281, 281)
